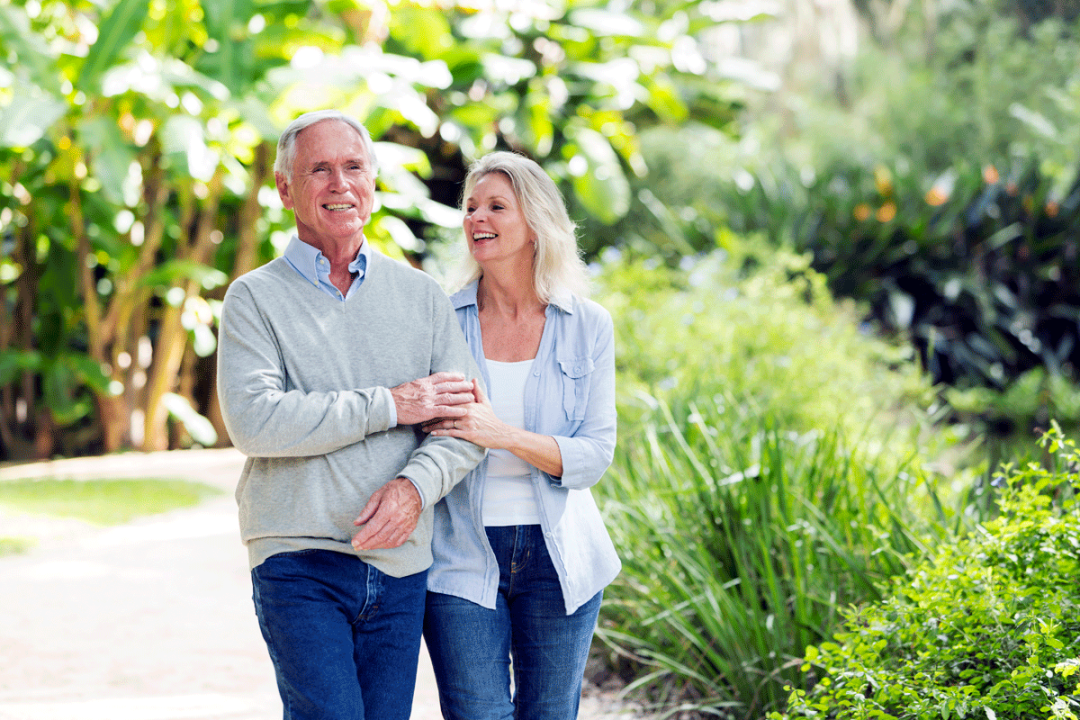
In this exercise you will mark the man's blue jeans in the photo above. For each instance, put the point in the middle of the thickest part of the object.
(344, 638)
(471, 646)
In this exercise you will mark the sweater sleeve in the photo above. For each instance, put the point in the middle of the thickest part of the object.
(439, 463)
(587, 454)
(263, 418)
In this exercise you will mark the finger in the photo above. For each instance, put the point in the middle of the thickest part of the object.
(478, 392)
(457, 388)
(370, 509)
(457, 398)
(446, 377)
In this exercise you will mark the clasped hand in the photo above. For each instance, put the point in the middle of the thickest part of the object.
(478, 424)
(437, 396)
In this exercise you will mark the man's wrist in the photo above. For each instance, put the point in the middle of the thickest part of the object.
(419, 492)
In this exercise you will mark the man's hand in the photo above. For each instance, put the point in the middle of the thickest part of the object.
(389, 517)
(440, 395)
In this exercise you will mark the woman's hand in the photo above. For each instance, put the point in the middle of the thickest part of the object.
(479, 426)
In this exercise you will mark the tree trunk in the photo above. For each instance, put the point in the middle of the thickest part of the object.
(172, 337)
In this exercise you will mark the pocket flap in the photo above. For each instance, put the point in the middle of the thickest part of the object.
(577, 367)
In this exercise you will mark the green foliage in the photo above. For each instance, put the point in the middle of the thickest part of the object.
(103, 502)
(136, 142)
(947, 207)
(986, 626)
(760, 325)
(765, 474)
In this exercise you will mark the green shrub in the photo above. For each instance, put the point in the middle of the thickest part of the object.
(985, 627)
(768, 471)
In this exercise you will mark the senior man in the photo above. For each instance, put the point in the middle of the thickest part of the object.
(328, 358)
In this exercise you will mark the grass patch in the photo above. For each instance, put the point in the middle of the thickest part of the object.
(103, 502)
(15, 546)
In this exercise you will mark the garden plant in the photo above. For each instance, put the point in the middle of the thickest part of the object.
(988, 626)
(767, 473)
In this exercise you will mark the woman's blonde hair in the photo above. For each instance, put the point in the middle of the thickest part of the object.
(557, 267)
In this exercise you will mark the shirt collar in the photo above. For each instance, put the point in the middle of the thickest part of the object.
(304, 258)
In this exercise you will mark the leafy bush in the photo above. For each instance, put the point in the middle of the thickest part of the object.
(988, 626)
(947, 206)
(767, 472)
(757, 326)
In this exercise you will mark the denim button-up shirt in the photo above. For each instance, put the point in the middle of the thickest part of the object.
(570, 396)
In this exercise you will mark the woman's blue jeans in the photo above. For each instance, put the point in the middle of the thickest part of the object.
(343, 636)
(473, 649)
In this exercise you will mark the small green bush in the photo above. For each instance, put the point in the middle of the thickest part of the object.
(985, 627)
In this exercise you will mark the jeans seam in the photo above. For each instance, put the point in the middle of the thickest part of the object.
(372, 595)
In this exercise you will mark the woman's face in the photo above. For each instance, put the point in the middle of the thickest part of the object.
(495, 226)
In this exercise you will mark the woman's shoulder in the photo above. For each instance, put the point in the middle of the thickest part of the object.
(585, 310)
(464, 297)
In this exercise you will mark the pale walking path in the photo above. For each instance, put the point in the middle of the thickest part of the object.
(147, 621)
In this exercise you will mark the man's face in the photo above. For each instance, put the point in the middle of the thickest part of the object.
(332, 188)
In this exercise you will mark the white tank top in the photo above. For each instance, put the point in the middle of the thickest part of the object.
(509, 498)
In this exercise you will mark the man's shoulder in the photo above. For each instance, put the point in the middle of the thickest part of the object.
(271, 272)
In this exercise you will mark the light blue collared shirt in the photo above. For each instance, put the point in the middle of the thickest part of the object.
(315, 268)
(569, 395)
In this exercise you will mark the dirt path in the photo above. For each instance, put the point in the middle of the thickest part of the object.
(147, 621)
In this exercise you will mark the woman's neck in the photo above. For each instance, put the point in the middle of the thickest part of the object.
(507, 295)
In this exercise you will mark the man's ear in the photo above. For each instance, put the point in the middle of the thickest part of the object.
(283, 190)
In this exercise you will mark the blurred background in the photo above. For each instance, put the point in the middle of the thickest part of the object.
(839, 239)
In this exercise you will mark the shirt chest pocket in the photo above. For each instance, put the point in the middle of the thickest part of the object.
(576, 374)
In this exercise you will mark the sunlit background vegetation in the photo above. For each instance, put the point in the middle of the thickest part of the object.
(838, 238)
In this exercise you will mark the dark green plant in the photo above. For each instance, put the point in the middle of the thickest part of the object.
(988, 626)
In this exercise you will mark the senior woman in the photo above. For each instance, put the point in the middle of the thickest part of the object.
(521, 552)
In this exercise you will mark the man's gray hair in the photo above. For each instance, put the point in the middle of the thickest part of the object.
(286, 148)
(557, 265)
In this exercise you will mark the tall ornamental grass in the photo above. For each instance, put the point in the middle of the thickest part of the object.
(768, 472)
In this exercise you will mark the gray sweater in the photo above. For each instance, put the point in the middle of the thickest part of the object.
(304, 383)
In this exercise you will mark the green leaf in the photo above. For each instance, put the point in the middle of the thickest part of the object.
(600, 185)
(13, 362)
(87, 370)
(60, 386)
(114, 34)
(201, 430)
(28, 116)
(110, 155)
(32, 57)
(233, 56)
(170, 272)
(424, 32)
(185, 140)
